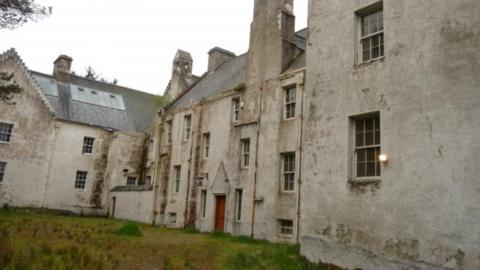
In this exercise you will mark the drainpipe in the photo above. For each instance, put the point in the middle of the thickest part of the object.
(302, 86)
(195, 141)
(50, 163)
(256, 161)
(155, 176)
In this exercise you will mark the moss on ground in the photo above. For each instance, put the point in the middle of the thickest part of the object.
(36, 240)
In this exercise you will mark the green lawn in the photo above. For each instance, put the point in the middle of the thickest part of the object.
(33, 240)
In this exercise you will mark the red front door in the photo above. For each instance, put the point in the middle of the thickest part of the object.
(220, 213)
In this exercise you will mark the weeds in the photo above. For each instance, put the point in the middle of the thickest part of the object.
(44, 240)
(129, 229)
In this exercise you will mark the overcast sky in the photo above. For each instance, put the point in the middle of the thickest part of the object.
(135, 41)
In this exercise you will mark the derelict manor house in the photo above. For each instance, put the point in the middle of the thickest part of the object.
(357, 137)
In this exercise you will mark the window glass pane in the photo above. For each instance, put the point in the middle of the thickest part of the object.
(371, 168)
(368, 124)
(359, 139)
(375, 52)
(371, 154)
(369, 138)
(361, 155)
(359, 125)
(360, 169)
(380, 20)
(377, 137)
(378, 169)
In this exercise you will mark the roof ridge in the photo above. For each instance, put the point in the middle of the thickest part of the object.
(30, 80)
(107, 83)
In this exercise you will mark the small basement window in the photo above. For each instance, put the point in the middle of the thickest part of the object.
(172, 217)
(286, 226)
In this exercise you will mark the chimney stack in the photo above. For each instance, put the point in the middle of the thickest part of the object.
(217, 56)
(62, 67)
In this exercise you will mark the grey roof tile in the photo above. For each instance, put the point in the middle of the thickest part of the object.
(130, 110)
(231, 74)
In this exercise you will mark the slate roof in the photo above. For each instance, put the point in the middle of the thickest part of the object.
(299, 63)
(232, 74)
(99, 104)
(229, 75)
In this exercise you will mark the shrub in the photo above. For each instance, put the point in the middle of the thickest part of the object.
(129, 229)
(191, 230)
(219, 234)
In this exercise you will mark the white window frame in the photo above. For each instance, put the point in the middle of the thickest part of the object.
(238, 204)
(376, 133)
(6, 132)
(3, 168)
(285, 229)
(81, 179)
(369, 36)
(132, 180)
(245, 159)
(188, 126)
(177, 174)
(88, 144)
(203, 203)
(206, 145)
(288, 172)
(289, 102)
(236, 110)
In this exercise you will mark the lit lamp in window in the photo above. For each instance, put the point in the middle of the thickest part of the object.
(383, 158)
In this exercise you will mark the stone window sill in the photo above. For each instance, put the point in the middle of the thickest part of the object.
(369, 62)
(365, 180)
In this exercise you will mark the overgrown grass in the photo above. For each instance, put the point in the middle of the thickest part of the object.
(42, 240)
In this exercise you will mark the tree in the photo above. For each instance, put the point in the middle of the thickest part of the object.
(14, 13)
(8, 88)
(91, 74)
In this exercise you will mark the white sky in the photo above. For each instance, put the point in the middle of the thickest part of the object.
(135, 41)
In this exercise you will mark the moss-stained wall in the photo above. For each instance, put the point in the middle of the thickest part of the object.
(29, 151)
